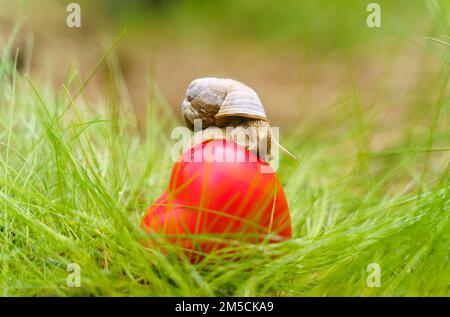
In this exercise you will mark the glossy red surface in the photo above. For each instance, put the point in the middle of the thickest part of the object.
(214, 201)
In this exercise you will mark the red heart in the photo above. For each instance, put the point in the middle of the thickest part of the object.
(219, 192)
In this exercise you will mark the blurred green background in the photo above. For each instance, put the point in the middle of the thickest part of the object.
(302, 57)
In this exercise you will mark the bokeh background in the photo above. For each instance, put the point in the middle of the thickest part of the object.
(302, 57)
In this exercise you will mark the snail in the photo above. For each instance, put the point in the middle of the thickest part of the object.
(221, 103)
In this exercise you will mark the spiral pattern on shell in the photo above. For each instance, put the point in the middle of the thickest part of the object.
(216, 101)
(222, 103)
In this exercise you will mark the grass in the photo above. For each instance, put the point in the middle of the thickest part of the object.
(75, 180)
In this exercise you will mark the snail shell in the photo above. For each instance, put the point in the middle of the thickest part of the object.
(223, 103)
(217, 101)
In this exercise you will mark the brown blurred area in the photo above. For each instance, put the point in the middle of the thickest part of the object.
(298, 78)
